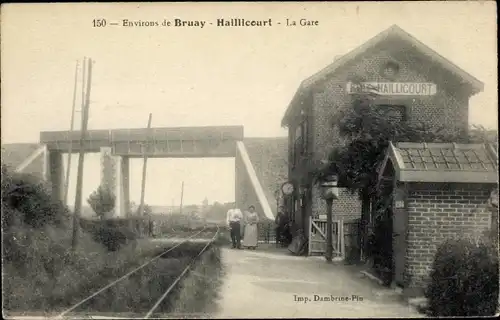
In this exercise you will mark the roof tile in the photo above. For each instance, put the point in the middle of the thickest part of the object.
(431, 156)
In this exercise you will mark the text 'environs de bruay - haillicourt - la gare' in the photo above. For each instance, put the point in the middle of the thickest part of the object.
(220, 22)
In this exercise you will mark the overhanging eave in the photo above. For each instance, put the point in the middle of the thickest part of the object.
(451, 163)
(447, 176)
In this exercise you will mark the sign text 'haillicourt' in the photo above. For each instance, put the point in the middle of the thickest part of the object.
(393, 88)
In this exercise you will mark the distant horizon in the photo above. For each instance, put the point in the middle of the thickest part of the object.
(71, 206)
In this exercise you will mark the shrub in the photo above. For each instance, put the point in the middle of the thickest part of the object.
(26, 199)
(111, 237)
(113, 233)
(464, 280)
(102, 201)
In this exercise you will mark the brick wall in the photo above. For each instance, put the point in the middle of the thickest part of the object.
(437, 212)
(347, 207)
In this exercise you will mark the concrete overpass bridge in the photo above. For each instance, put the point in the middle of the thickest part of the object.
(260, 165)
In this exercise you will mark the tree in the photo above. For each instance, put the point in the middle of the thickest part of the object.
(102, 201)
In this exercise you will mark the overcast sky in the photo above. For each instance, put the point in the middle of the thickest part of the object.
(209, 76)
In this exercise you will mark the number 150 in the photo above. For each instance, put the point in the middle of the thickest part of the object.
(99, 23)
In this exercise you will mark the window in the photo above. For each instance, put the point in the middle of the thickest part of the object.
(304, 135)
(298, 132)
(300, 142)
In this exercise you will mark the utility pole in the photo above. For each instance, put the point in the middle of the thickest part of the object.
(66, 186)
(79, 178)
(329, 230)
(144, 166)
(182, 196)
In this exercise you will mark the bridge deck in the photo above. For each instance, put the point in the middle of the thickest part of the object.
(157, 139)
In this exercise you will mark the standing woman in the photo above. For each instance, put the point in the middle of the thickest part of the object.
(251, 235)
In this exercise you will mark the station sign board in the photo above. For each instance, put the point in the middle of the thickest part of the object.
(393, 88)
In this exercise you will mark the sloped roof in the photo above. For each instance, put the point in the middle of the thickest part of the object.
(393, 31)
(443, 162)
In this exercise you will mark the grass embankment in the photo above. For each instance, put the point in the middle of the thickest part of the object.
(46, 275)
(40, 271)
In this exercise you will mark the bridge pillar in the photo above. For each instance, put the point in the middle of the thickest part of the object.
(54, 173)
(110, 177)
(125, 186)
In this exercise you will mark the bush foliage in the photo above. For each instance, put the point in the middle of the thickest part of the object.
(102, 201)
(27, 200)
(113, 234)
(464, 280)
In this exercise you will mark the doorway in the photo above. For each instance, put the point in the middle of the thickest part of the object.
(400, 225)
(382, 235)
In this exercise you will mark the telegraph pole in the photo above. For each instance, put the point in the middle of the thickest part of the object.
(66, 187)
(79, 178)
(144, 166)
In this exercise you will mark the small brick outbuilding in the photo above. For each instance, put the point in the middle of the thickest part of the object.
(438, 191)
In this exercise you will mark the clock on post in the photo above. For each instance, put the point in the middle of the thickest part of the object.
(287, 188)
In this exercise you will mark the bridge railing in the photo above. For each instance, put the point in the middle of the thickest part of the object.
(267, 232)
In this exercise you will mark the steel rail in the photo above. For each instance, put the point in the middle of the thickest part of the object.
(126, 275)
(172, 286)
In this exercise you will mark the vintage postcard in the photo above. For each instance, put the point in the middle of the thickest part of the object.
(249, 160)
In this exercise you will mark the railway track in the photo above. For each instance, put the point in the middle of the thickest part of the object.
(105, 302)
(158, 267)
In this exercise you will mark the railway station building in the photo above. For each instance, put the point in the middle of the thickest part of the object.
(434, 188)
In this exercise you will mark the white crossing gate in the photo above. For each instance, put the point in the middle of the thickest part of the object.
(317, 237)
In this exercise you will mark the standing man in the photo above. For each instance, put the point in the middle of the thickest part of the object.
(233, 220)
